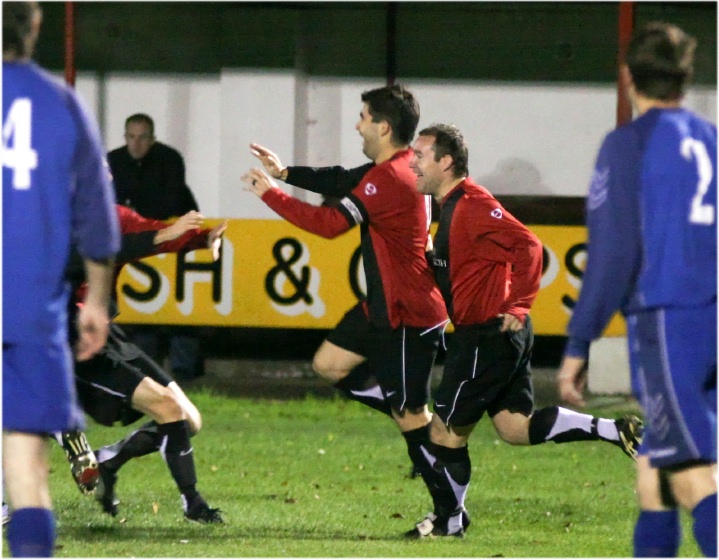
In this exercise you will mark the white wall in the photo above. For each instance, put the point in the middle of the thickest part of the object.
(538, 139)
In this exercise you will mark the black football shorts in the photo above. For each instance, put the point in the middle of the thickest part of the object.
(401, 359)
(485, 370)
(105, 383)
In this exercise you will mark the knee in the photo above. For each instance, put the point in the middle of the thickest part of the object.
(512, 428)
(195, 422)
(690, 486)
(412, 419)
(649, 493)
(510, 436)
(327, 370)
(166, 407)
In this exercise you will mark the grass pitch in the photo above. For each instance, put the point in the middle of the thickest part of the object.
(329, 478)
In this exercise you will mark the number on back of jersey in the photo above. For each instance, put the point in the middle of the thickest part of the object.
(17, 153)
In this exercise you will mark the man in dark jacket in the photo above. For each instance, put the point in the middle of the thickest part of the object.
(149, 175)
(150, 178)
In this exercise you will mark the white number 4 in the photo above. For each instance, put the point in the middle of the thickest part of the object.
(700, 213)
(21, 158)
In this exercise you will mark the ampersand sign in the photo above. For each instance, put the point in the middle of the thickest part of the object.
(284, 267)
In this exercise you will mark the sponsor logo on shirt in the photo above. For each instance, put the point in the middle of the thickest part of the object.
(496, 213)
(370, 189)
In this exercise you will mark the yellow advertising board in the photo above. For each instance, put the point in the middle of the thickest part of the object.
(272, 274)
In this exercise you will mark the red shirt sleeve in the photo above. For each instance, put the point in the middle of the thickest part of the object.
(132, 222)
(324, 221)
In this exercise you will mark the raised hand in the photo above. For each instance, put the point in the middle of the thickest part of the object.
(258, 181)
(270, 161)
(191, 220)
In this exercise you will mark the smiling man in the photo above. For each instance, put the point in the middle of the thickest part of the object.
(488, 266)
(381, 353)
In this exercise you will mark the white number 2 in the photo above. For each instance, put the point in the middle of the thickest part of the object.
(700, 213)
(21, 158)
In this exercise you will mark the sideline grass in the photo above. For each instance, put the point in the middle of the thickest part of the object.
(328, 478)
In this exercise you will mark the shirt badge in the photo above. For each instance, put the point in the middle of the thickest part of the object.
(496, 213)
(370, 189)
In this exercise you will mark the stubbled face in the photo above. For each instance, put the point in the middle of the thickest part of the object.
(370, 132)
(429, 172)
(139, 139)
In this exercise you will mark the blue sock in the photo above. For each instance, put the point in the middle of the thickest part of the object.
(705, 525)
(31, 533)
(657, 534)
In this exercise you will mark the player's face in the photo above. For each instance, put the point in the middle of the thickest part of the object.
(429, 172)
(370, 132)
(139, 139)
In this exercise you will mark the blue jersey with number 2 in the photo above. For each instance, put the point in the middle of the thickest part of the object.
(651, 214)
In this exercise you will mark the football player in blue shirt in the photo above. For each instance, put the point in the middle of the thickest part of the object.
(55, 190)
(651, 214)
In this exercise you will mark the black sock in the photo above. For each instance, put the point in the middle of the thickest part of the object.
(143, 441)
(177, 452)
(454, 469)
(361, 386)
(562, 425)
(421, 451)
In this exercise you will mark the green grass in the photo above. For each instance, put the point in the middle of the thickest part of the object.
(328, 478)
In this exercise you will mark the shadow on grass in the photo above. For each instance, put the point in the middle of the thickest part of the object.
(125, 532)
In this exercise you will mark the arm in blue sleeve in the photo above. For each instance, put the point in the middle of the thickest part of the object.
(614, 247)
(327, 181)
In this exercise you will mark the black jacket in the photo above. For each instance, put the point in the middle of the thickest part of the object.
(153, 186)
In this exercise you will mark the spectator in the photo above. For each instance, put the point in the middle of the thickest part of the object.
(150, 178)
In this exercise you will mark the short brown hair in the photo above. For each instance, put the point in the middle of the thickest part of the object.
(448, 141)
(16, 26)
(660, 58)
(142, 118)
(398, 107)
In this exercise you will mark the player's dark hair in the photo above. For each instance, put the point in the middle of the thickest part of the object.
(660, 58)
(398, 107)
(16, 26)
(448, 141)
(141, 118)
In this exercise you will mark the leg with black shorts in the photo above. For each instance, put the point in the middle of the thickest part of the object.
(388, 370)
(128, 384)
(487, 370)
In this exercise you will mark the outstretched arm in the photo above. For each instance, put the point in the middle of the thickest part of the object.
(328, 181)
(321, 220)
(143, 237)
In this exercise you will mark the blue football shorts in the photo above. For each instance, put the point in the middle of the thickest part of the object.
(38, 388)
(673, 358)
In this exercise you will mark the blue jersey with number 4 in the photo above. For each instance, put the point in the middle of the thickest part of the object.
(651, 215)
(56, 190)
